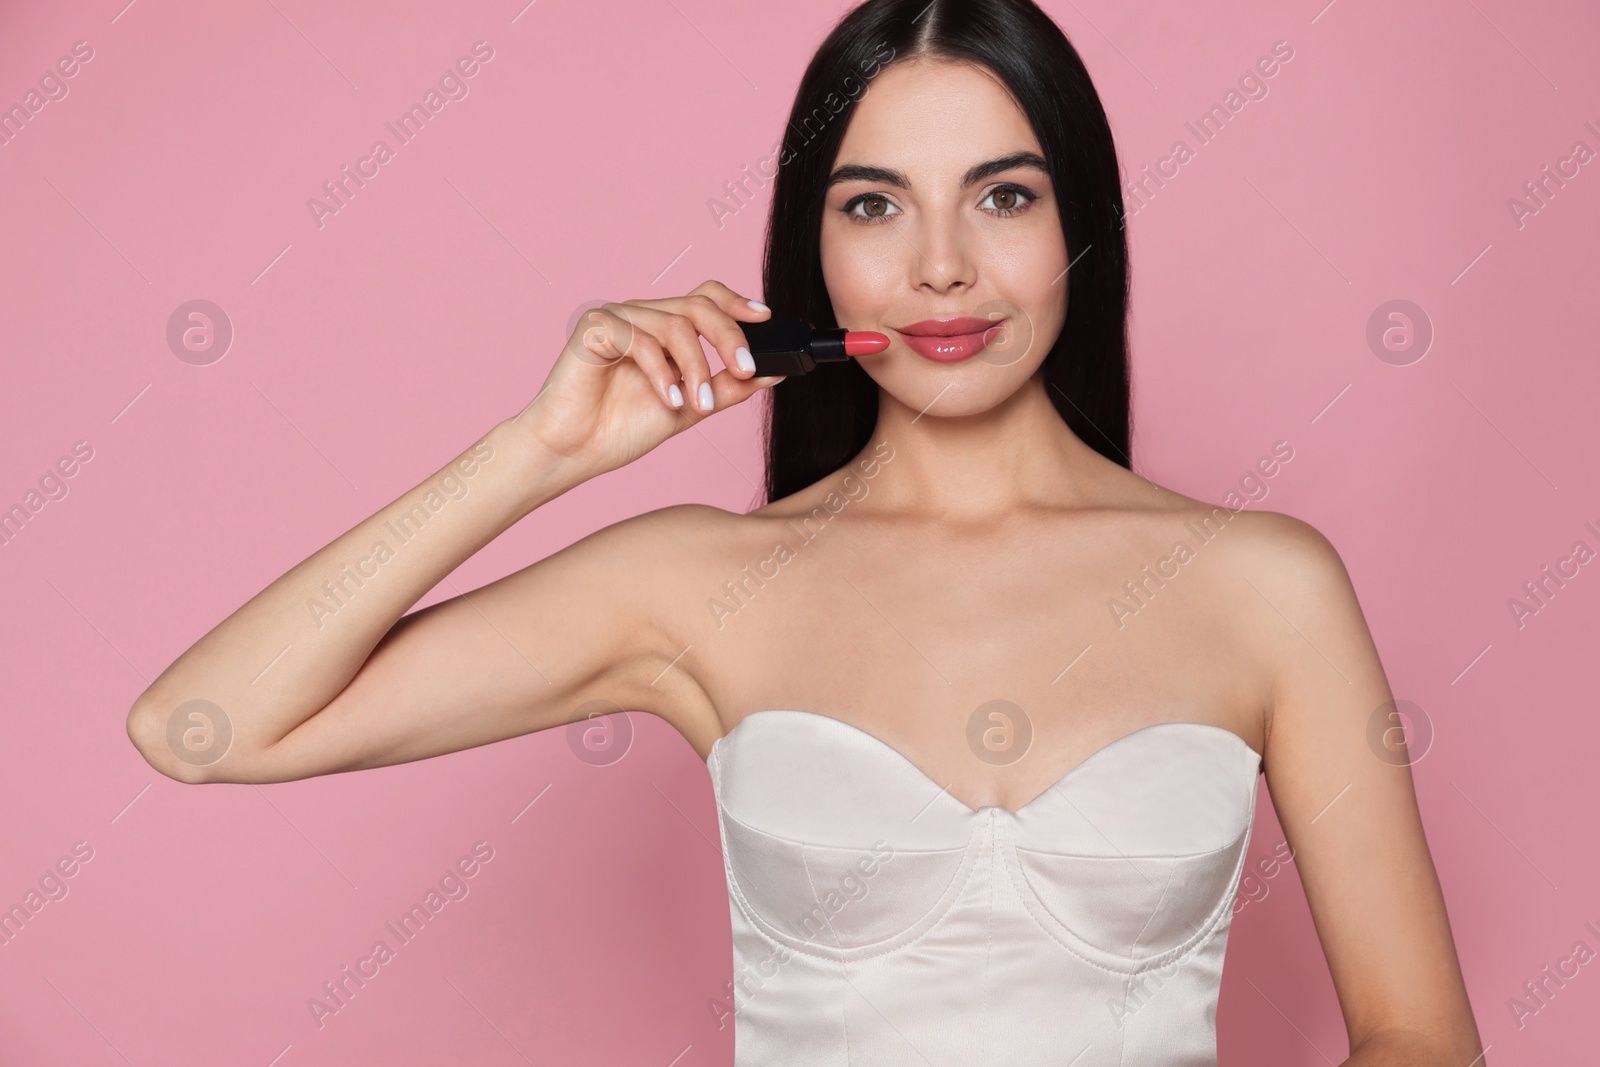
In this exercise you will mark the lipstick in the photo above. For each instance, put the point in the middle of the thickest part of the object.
(792, 346)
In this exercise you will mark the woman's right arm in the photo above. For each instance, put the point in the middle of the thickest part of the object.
(322, 671)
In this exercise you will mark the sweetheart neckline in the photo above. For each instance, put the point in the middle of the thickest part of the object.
(944, 791)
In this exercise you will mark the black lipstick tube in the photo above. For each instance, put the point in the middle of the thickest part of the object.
(792, 346)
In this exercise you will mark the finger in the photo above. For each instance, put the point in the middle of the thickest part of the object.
(731, 302)
(600, 337)
(741, 309)
(646, 352)
(730, 390)
(680, 336)
(717, 312)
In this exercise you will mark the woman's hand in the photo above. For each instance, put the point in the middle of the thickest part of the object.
(633, 374)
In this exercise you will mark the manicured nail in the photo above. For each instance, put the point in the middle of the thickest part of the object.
(705, 396)
(758, 305)
(676, 394)
(742, 356)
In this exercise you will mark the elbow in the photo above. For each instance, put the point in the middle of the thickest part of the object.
(185, 743)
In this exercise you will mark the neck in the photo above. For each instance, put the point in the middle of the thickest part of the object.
(976, 468)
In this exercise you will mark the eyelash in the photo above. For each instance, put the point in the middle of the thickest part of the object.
(849, 205)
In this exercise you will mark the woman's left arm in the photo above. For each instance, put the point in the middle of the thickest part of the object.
(1349, 810)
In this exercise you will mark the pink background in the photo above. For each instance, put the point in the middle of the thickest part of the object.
(372, 349)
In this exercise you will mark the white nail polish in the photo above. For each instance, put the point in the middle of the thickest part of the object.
(705, 396)
(742, 356)
(758, 305)
(676, 394)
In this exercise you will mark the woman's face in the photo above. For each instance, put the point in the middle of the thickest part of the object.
(911, 237)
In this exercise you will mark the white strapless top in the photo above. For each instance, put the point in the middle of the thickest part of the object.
(879, 922)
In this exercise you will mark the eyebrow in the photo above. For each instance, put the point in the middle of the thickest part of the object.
(857, 172)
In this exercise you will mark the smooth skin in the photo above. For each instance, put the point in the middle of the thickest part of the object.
(972, 557)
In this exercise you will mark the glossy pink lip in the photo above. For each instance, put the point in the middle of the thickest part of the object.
(946, 327)
(950, 340)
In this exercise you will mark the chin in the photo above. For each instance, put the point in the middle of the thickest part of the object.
(951, 390)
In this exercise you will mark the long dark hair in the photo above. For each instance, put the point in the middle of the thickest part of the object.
(817, 422)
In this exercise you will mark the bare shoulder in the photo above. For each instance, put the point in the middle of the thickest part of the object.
(1266, 563)
(1298, 617)
(663, 557)
(1270, 545)
(1286, 558)
(1267, 591)
(697, 530)
(662, 565)
(681, 551)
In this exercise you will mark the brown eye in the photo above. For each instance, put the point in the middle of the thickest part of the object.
(877, 208)
(1010, 199)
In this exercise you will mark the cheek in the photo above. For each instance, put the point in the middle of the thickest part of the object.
(1034, 297)
(860, 273)
(1031, 267)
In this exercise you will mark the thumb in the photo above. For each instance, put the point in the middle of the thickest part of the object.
(727, 390)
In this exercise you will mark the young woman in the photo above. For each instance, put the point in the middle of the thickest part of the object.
(984, 710)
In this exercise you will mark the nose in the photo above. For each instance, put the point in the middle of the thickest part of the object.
(944, 246)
